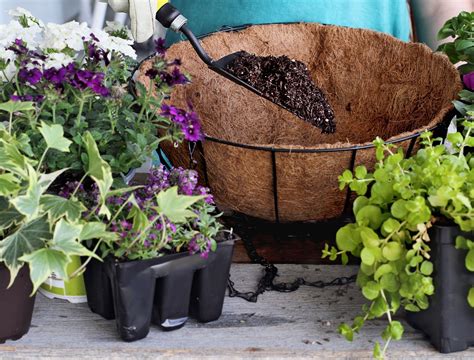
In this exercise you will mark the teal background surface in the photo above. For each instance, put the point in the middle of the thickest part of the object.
(205, 16)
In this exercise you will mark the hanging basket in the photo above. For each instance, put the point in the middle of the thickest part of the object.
(263, 161)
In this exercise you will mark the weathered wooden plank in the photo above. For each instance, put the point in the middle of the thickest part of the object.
(295, 325)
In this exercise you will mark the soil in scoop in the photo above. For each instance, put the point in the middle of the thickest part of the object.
(288, 83)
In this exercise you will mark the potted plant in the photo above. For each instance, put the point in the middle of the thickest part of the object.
(413, 222)
(171, 257)
(39, 232)
(79, 79)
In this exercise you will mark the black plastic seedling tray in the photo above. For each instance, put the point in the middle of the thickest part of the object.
(449, 320)
(164, 291)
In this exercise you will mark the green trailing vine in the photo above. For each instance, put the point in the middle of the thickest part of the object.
(396, 206)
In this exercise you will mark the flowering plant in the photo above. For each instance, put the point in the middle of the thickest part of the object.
(78, 78)
(170, 214)
(37, 228)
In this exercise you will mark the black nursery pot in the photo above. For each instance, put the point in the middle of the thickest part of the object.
(16, 304)
(449, 320)
(164, 291)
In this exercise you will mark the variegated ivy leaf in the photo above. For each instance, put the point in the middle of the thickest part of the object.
(98, 169)
(58, 207)
(176, 207)
(11, 160)
(27, 239)
(8, 214)
(65, 239)
(28, 204)
(96, 230)
(54, 137)
(46, 180)
(8, 184)
(43, 263)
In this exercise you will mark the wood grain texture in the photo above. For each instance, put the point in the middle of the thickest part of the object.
(295, 325)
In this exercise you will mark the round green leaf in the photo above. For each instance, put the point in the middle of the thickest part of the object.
(470, 260)
(399, 209)
(359, 203)
(390, 282)
(367, 256)
(470, 297)
(371, 290)
(369, 237)
(382, 270)
(426, 268)
(347, 238)
(396, 330)
(370, 215)
(389, 226)
(392, 251)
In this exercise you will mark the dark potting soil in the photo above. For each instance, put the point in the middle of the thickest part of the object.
(286, 82)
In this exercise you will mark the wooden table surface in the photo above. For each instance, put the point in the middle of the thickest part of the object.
(295, 325)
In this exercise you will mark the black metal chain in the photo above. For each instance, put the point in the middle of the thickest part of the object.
(267, 282)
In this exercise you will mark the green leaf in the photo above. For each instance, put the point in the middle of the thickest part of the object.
(377, 351)
(43, 263)
(369, 237)
(346, 331)
(98, 169)
(426, 268)
(8, 184)
(470, 260)
(463, 44)
(95, 230)
(54, 137)
(28, 204)
(28, 238)
(347, 238)
(176, 207)
(371, 290)
(470, 297)
(392, 251)
(45, 180)
(396, 330)
(58, 207)
(371, 216)
(390, 282)
(16, 106)
(359, 203)
(360, 172)
(399, 209)
(367, 256)
(65, 240)
(382, 270)
(8, 214)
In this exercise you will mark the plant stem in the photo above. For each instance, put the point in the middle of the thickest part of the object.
(42, 159)
(79, 114)
(464, 143)
(79, 184)
(10, 124)
(84, 265)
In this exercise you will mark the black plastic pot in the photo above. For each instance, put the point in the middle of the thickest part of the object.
(449, 320)
(16, 304)
(164, 291)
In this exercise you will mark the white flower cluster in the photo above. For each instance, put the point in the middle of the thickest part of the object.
(58, 38)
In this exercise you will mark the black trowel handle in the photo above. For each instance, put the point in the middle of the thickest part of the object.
(171, 18)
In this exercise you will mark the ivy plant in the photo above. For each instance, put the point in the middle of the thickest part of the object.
(37, 228)
(396, 206)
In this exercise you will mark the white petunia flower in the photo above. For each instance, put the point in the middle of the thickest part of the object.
(113, 43)
(7, 57)
(57, 60)
(13, 30)
(114, 28)
(71, 34)
(19, 13)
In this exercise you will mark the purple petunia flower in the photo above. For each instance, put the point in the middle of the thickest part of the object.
(152, 73)
(160, 47)
(190, 124)
(32, 76)
(178, 78)
(468, 80)
(55, 76)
